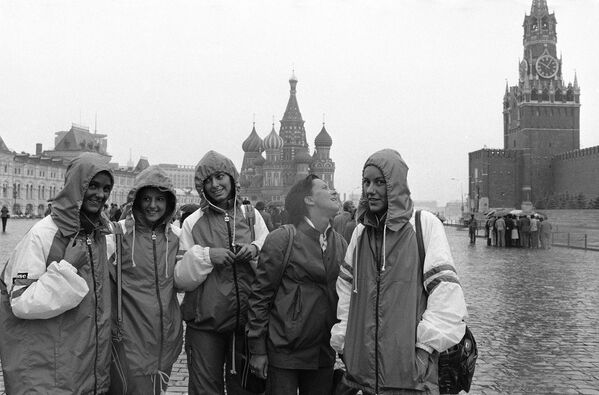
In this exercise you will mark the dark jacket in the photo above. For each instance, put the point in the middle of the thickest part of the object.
(218, 300)
(296, 330)
(152, 329)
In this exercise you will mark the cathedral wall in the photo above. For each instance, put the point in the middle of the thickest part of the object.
(576, 172)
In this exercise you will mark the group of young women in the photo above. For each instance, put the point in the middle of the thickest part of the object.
(89, 306)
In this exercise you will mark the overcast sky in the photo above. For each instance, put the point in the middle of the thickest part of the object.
(170, 80)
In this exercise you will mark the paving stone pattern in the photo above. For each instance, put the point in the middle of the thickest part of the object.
(534, 315)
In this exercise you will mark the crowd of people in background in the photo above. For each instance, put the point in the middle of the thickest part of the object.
(517, 231)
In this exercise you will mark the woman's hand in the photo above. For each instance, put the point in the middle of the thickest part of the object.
(422, 361)
(76, 253)
(259, 365)
(221, 256)
(246, 253)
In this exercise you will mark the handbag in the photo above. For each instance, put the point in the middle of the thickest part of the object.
(457, 364)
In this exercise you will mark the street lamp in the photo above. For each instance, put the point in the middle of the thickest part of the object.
(461, 193)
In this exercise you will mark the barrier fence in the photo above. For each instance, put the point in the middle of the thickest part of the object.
(576, 240)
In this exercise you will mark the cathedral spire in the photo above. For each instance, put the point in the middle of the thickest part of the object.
(539, 7)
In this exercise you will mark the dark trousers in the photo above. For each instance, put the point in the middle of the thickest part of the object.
(207, 354)
(4, 220)
(472, 233)
(309, 382)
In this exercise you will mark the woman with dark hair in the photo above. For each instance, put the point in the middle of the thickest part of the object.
(55, 293)
(293, 304)
(148, 339)
(221, 241)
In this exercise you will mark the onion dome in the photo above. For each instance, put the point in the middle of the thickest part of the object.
(253, 143)
(273, 140)
(323, 139)
(303, 157)
(259, 161)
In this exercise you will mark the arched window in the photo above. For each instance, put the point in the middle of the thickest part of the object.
(570, 94)
(534, 95)
(545, 96)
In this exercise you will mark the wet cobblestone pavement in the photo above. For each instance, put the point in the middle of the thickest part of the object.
(534, 314)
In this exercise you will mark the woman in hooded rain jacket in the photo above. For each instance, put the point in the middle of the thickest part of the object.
(395, 318)
(221, 241)
(148, 339)
(55, 302)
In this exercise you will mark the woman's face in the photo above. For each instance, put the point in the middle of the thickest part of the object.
(97, 194)
(218, 187)
(152, 204)
(375, 189)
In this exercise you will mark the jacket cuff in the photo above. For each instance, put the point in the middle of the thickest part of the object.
(425, 347)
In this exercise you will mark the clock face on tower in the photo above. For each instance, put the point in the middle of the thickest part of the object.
(546, 66)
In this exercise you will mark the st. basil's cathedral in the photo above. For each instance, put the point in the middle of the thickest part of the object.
(272, 165)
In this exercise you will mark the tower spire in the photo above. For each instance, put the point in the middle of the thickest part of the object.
(539, 7)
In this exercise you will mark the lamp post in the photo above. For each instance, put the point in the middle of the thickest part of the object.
(461, 193)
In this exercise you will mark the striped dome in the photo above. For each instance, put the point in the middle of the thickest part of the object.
(273, 140)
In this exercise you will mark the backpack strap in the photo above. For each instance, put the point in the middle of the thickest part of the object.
(118, 256)
(291, 233)
(421, 252)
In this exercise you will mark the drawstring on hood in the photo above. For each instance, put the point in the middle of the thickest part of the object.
(153, 177)
(66, 206)
(213, 162)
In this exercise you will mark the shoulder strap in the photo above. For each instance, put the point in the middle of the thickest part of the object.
(421, 251)
(291, 232)
(118, 256)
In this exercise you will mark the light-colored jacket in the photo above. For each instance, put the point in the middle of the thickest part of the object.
(55, 319)
(387, 307)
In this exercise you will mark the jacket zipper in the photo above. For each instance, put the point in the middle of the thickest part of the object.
(159, 299)
(377, 323)
(91, 260)
(238, 308)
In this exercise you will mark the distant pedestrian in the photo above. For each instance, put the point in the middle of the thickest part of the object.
(515, 232)
(534, 232)
(341, 219)
(500, 225)
(509, 225)
(275, 215)
(472, 228)
(525, 231)
(545, 233)
(260, 206)
(5, 215)
(48, 210)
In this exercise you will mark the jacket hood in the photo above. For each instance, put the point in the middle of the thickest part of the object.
(66, 205)
(399, 203)
(211, 163)
(154, 176)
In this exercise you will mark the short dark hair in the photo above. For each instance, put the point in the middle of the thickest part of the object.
(260, 205)
(294, 201)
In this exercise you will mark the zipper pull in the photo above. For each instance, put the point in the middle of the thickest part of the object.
(153, 235)
(226, 217)
(88, 241)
